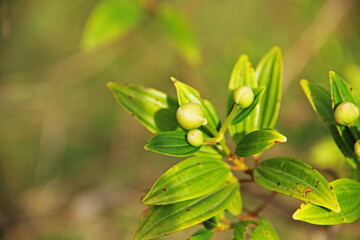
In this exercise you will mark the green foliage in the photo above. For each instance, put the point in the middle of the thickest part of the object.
(191, 178)
(203, 188)
(296, 179)
(347, 192)
(258, 141)
(110, 20)
(162, 220)
(172, 144)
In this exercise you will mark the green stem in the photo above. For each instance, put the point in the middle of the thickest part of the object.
(228, 120)
(354, 132)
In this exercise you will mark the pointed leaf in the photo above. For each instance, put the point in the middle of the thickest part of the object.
(297, 179)
(152, 108)
(191, 178)
(347, 192)
(264, 230)
(242, 228)
(320, 99)
(202, 234)
(178, 28)
(258, 141)
(244, 112)
(109, 20)
(235, 207)
(269, 74)
(242, 75)
(162, 220)
(188, 94)
(172, 144)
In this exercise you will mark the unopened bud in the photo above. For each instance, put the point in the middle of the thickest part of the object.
(357, 148)
(195, 137)
(190, 116)
(243, 96)
(346, 113)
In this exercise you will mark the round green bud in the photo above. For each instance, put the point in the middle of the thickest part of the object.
(190, 116)
(195, 137)
(357, 148)
(346, 113)
(243, 96)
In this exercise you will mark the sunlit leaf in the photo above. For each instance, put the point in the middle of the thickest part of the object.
(258, 141)
(109, 20)
(320, 99)
(152, 108)
(244, 112)
(172, 144)
(235, 207)
(269, 74)
(297, 179)
(263, 230)
(176, 25)
(165, 219)
(191, 178)
(347, 192)
(188, 94)
(242, 75)
(202, 234)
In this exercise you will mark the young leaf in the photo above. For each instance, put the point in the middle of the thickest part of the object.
(178, 29)
(191, 178)
(241, 229)
(258, 141)
(202, 234)
(269, 74)
(152, 108)
(172, 144)
(320, 100)
(188, 94)
(264, 230)
(347, 192)
(297, 179)
(242, 75)
(165, 219)
(243, 113)
(109, 20)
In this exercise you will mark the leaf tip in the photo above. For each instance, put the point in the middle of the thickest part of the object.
(276, 50)
(110, 85)
(174, 80)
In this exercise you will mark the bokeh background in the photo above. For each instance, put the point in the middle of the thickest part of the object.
(72, 163)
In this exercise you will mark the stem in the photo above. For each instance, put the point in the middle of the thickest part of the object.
(354, 133)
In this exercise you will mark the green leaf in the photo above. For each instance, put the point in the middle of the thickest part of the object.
(202, 234)
(347, 192)
(241, 229)
(110, 20)
(152, 108)
(188, 94)
(297, 179)
(175, 24)
(341, 91)
(269, 74)
(320, 100)
(208, 151)
(244, 112)
(172, 144)
(191, 178)
(162, 220)
(264, 231)
(258, 141)
(242, 75)
(235, 207)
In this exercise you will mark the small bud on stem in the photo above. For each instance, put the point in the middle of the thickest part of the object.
(357, 148)
(195, 137)
(243, 96)
(346, 114)
(190, 116)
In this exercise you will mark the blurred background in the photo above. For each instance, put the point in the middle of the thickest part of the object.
(72, 163)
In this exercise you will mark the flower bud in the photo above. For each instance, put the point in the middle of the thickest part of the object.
(195, 137)
(346, 113)
(357, 148)
(190, 116)
(243, 96)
